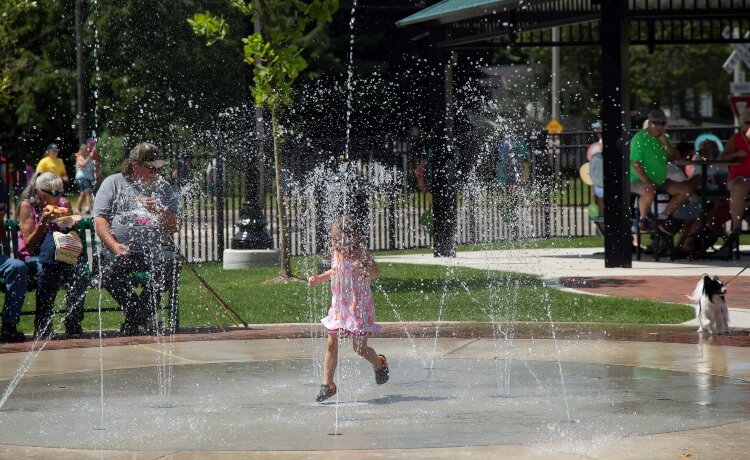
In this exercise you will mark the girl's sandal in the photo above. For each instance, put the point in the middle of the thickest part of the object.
(326, 391)
(383, 374)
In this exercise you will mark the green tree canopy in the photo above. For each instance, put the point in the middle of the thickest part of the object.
(274, 50)
(147, 74)
(11, 11)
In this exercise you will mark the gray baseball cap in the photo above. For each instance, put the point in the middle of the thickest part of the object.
(146, 153)
(657, 115)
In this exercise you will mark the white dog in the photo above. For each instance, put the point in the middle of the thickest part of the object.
(711, 307)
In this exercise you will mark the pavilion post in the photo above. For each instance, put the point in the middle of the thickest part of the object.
(615, 124)
(443, 188)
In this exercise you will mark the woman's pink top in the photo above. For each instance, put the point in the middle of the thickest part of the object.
(23, 252)
(741, 143)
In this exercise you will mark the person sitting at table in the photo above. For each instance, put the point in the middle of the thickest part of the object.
(708, 147)
(650, 151)
(15, 281)
(684, 216)
(738, 182)
(703, 233)
(595, 156)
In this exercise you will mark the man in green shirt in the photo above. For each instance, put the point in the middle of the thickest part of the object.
(650, 151)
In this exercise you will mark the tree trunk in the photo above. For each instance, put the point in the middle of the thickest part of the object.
(285, 268)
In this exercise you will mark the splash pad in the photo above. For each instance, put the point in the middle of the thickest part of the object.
(258, 395)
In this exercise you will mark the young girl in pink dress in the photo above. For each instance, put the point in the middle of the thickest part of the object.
(352, 312)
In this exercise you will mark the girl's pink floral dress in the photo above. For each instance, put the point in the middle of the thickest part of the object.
(352, 309)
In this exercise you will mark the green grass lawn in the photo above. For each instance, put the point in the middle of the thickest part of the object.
(403, 292)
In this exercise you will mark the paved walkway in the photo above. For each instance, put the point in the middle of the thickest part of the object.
(451, 397)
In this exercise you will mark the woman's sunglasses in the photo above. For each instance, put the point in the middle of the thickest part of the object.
(51, 192)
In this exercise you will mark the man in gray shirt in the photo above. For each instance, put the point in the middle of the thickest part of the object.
(135, 214)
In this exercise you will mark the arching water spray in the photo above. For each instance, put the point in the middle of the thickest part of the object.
(97, 70)
(349, 77)
(31, 355)
(441, 306)
(559, 363)
(403, 325)
(101, 341)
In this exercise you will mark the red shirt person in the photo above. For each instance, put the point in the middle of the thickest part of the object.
(738, 182)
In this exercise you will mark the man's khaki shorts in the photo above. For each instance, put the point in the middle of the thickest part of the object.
(637, 186)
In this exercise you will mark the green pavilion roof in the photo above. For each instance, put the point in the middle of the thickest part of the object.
(455, 10)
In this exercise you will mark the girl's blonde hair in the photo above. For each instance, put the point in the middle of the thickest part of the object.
(346, 234)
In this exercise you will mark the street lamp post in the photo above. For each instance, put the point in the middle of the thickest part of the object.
(252, 223)
(79, 70)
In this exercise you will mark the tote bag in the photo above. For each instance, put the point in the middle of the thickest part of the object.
(60, 247)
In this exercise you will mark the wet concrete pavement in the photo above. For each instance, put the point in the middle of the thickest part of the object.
(447, 398)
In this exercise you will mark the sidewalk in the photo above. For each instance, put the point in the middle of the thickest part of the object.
(583, 270)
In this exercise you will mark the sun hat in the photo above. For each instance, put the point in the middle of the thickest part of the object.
(708, 137)
(585, 172)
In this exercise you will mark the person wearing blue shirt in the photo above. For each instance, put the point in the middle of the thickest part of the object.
(16, 278)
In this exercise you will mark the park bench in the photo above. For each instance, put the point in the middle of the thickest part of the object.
(89, 240)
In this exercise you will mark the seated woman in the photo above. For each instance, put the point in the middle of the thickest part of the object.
(683, 217)
(738, 181)
(41, 203)
(712, 227)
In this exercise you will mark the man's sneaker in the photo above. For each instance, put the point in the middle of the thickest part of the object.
(151, 326)
(382, 375)
(646, 225)
(727, 250)
(9, 334)
(73, 331)
(666, 226)
(45, 333)
(326, 391)
(128, 329)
